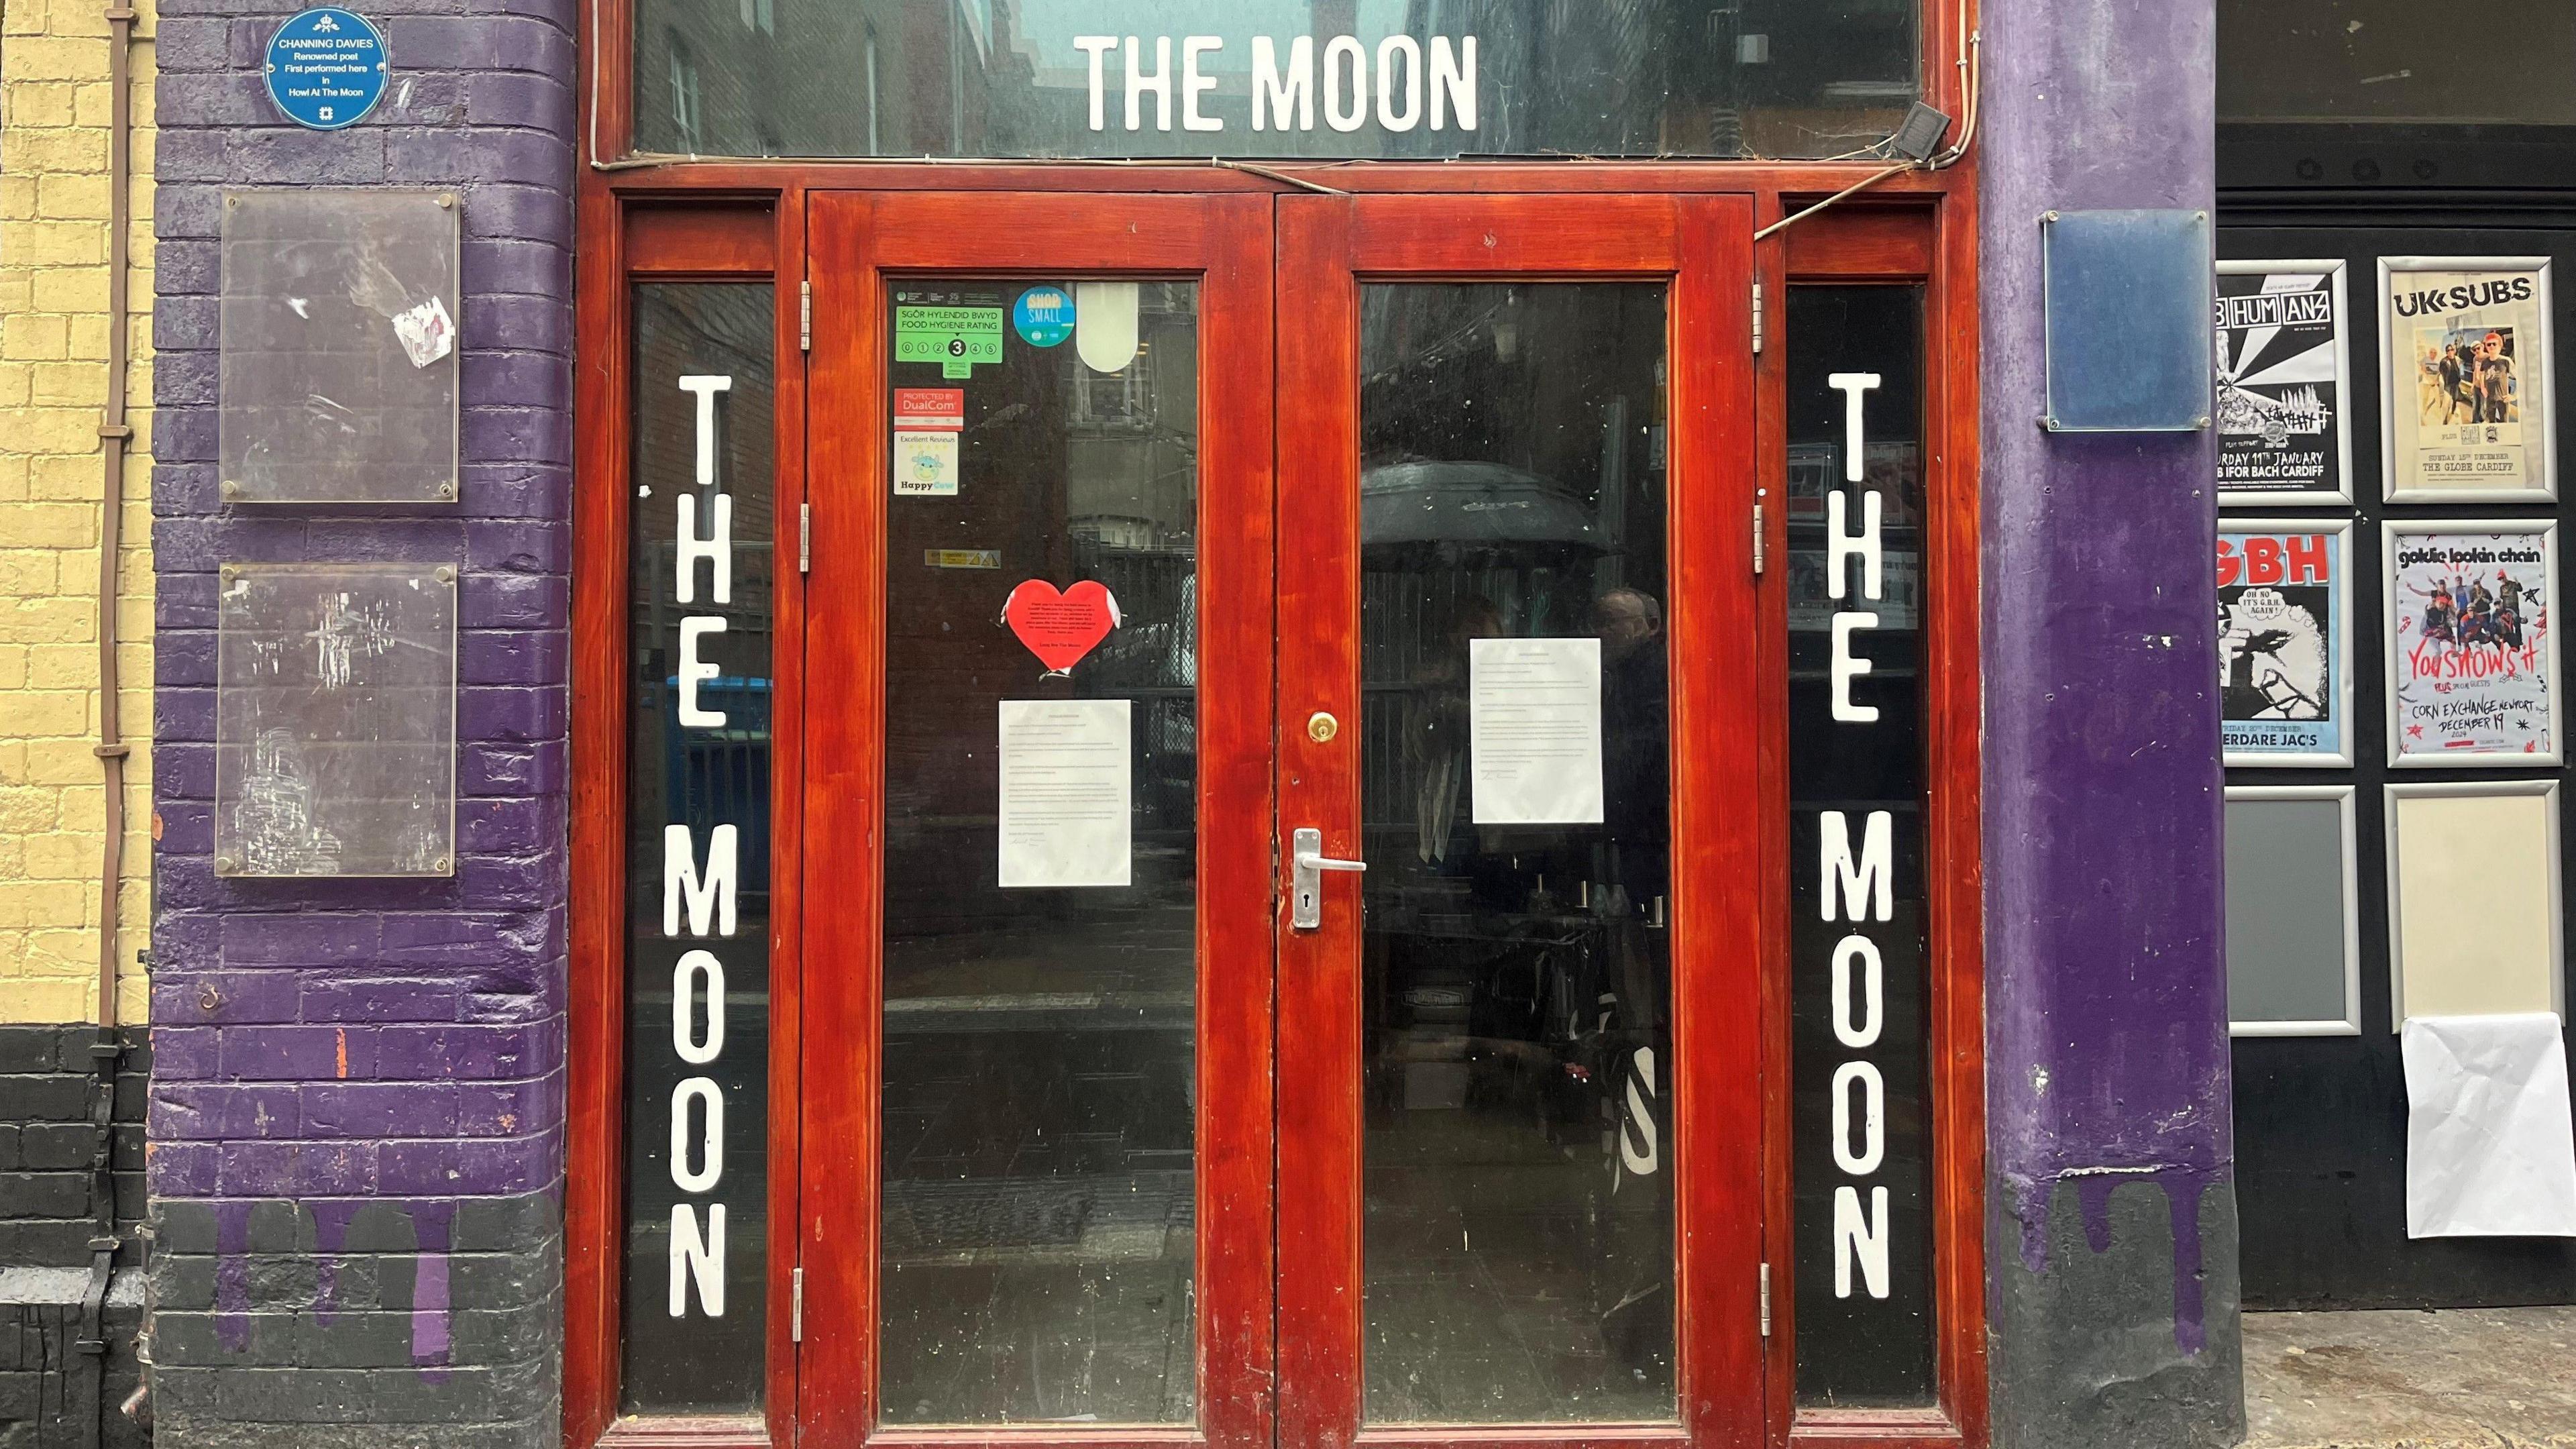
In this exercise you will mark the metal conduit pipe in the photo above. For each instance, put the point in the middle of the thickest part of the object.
(114, 433)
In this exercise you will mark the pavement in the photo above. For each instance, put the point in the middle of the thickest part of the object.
(2495, 1378)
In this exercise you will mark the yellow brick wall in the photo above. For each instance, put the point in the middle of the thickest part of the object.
(54, 114)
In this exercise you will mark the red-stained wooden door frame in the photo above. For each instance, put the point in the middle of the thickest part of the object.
(625, 247)
(1701, 248)
(859, 241)
(722, 221)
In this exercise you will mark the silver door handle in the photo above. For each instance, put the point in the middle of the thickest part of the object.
(1307, 864)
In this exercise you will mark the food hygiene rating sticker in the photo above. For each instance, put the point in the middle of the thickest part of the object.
(955, 332)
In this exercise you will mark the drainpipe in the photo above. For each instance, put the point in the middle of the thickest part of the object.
(114, 432)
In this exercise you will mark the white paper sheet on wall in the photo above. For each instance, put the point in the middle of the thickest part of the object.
(1534, 730)
(1066, 791)
(2489, 1151)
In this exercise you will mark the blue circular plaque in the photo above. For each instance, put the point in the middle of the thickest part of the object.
(327, 68)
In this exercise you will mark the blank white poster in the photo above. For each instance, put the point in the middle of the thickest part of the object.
(2489, 1149)
(1066, 787)
(2475, 882)
(1534, 730)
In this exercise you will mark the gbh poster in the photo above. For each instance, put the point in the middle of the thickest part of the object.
(2284, 628)
(2473, 672)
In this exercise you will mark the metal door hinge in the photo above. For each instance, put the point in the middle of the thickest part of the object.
(804, 538)
(796, 1307)
(805, 319)
(1766, 1300)
(1757, 316)
(1758, 545)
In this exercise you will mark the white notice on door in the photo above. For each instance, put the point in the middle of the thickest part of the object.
(1065, 792)
(1534, 730)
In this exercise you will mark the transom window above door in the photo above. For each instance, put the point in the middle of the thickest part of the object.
(1285, 78)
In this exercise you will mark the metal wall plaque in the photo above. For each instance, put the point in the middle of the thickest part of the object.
(2128, 304)
(339, 363)
(335, 720)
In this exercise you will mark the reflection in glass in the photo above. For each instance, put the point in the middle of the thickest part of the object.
(703, 777)
(1516, 977)
(1858, 1349)
(1013, 78)
(1039, 1093)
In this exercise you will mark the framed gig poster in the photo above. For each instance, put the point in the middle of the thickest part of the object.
(2472, 666)
(2465, 403)
(2285, 641)
(2284, 387)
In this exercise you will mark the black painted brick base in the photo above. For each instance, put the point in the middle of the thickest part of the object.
(50, 1392)
(45, 1084)
(247, 1349)
(2084, 1354)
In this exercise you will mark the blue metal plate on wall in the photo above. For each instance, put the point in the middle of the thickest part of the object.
(2128, 307)
(327, 68)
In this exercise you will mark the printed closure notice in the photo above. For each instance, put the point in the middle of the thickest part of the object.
(1534, 730)
(1066, 787)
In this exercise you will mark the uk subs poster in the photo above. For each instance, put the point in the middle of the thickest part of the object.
(2283, 394)
(2284, 677)
(2465, 380)
(2473, 669)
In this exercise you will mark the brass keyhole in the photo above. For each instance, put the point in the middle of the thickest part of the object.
(1321, 726)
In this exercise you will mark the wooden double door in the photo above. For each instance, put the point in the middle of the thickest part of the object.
(1173, 557)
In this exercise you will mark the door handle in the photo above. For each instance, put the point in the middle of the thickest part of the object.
(1307, 864)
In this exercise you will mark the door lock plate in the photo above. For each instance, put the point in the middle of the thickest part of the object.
(1307, 864)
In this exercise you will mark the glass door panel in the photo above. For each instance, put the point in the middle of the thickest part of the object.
(1516, 980)
(1041, 862)
(1519, 1101)
(1112, 1116)
(1038, 1111)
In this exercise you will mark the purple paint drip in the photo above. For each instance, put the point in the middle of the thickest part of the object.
(2093, 1204)
(2184, 1187)
(431, 1343)
(232, 1274)
(2030, 1210)
(330, 1232)
(2183, 1193)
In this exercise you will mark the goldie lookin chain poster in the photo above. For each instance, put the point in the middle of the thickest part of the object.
(2473, 674)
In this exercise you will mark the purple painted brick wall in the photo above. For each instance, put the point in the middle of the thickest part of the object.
(2112, 1236)
(380, 1052)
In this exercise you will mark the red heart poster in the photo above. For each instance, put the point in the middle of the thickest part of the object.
(1060, 628)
